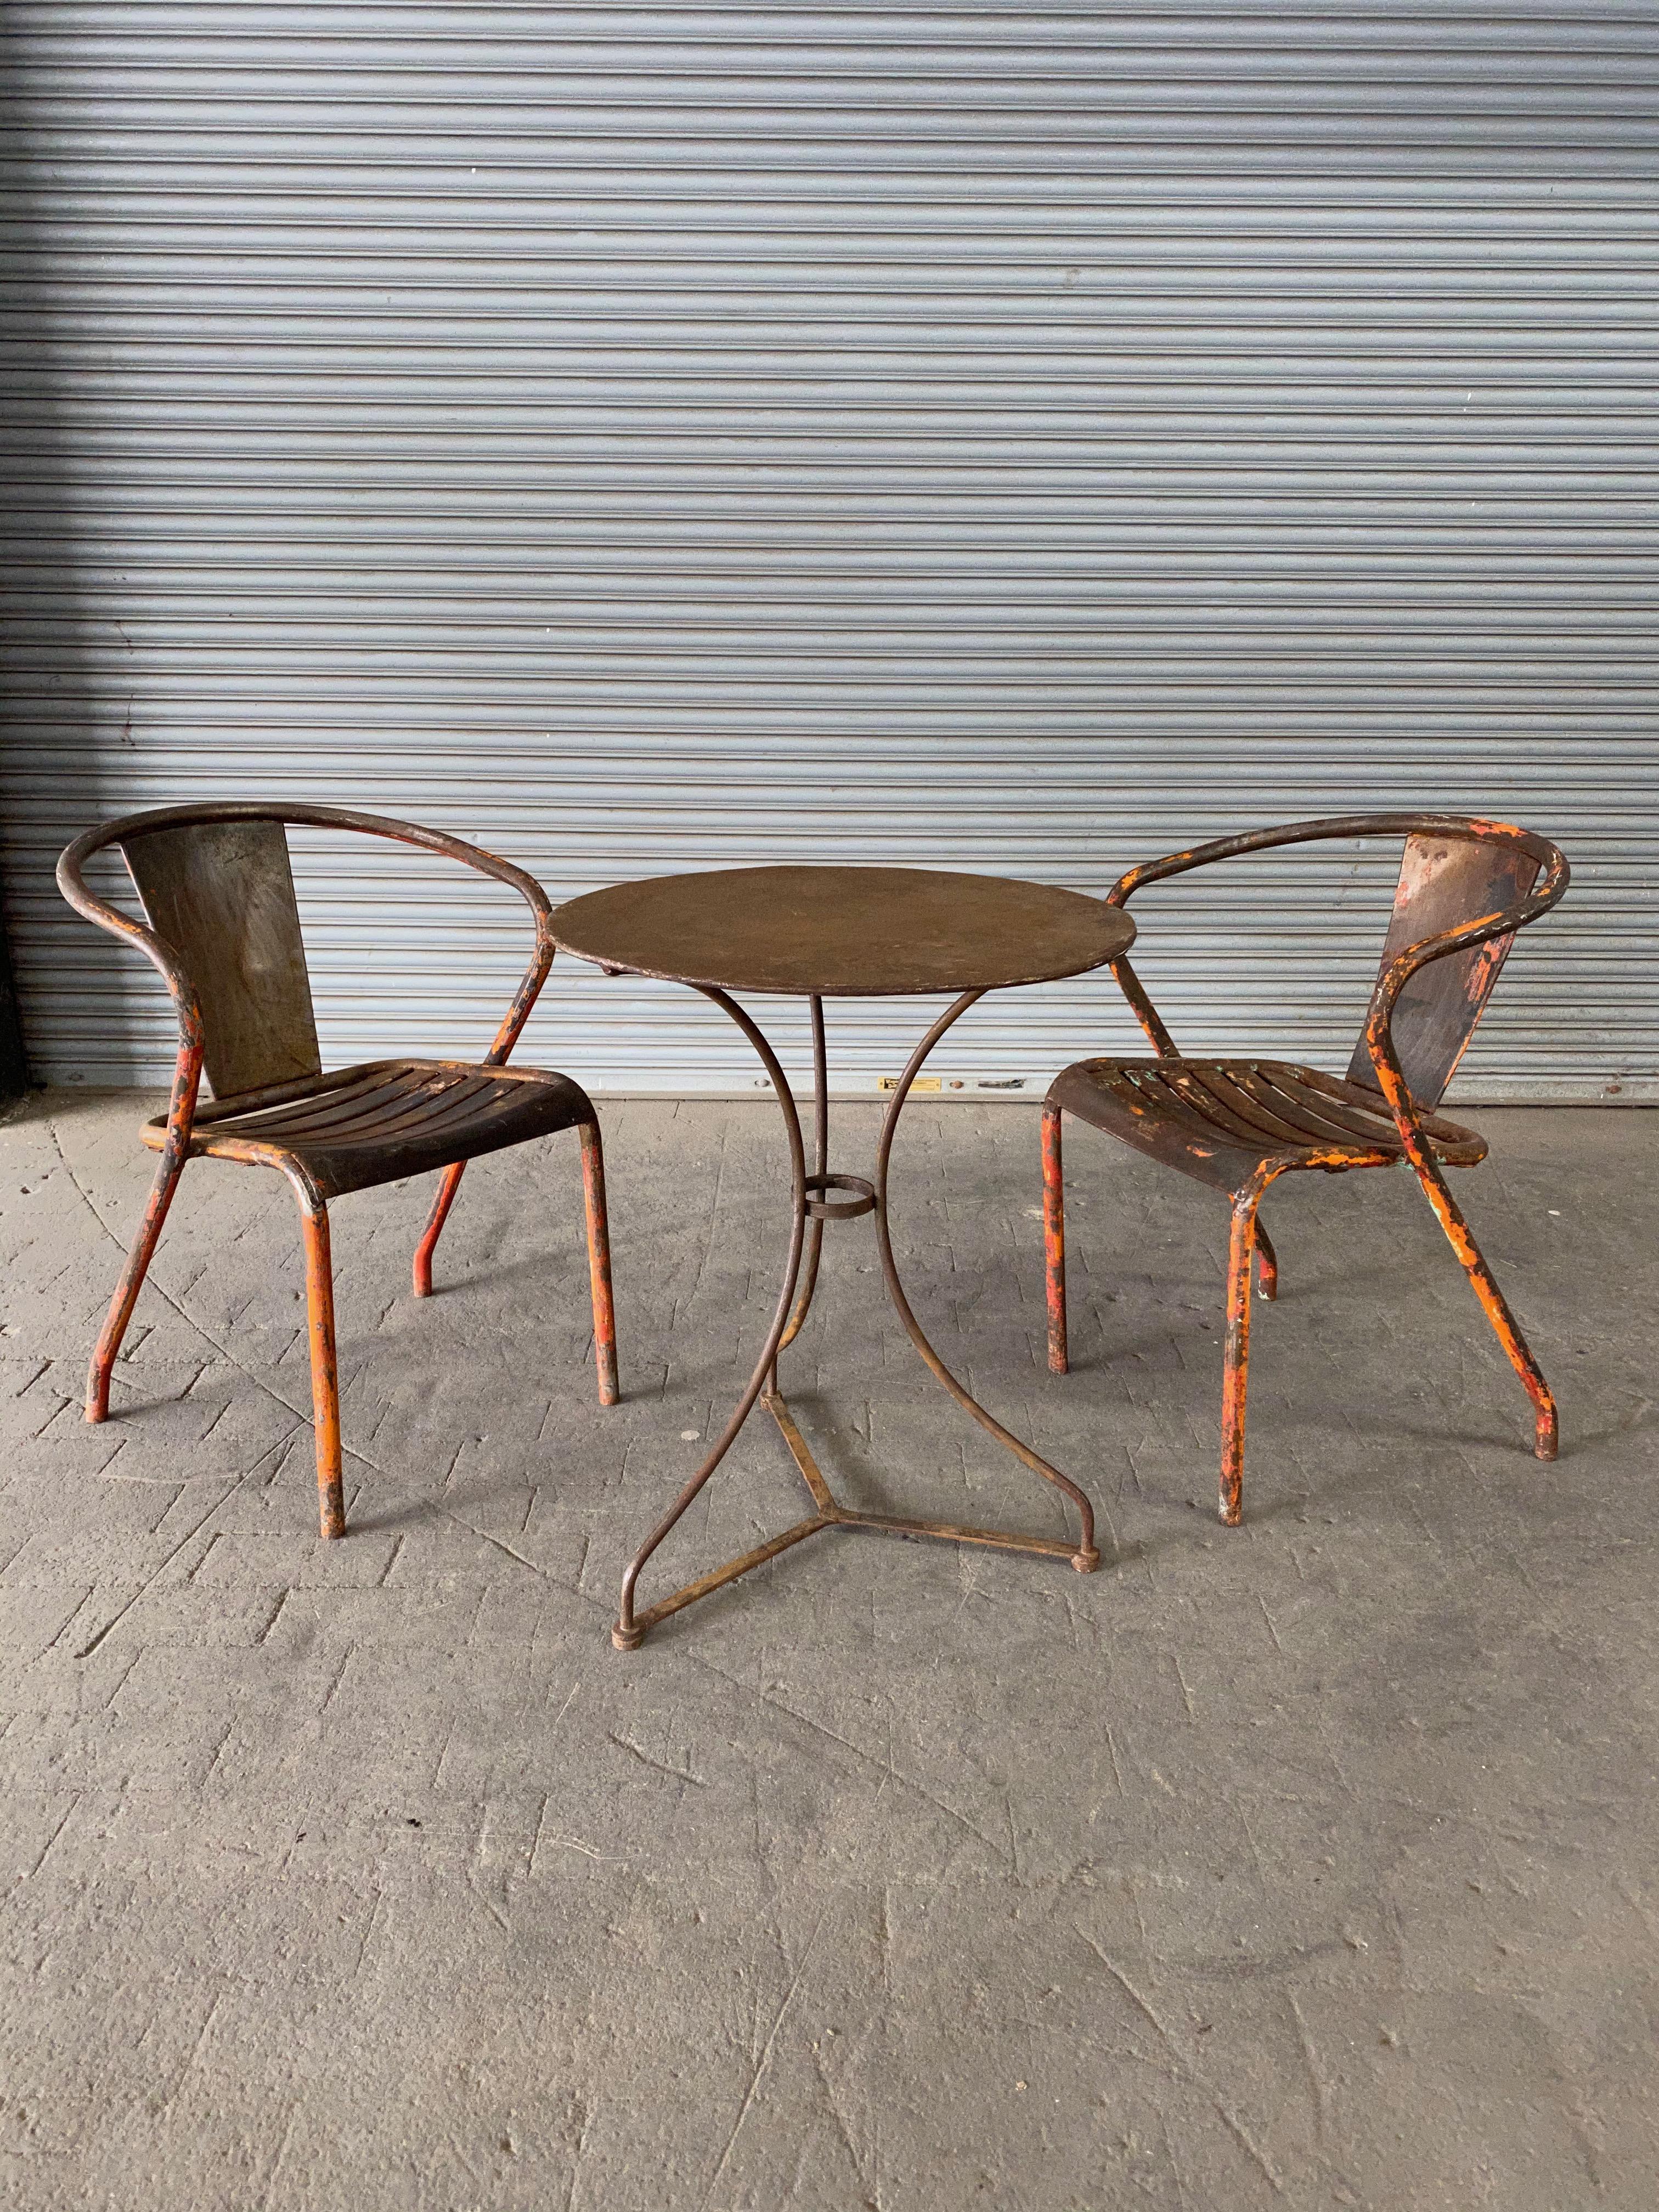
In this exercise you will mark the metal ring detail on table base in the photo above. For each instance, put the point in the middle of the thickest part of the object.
(806, 1237)
(822, 1209)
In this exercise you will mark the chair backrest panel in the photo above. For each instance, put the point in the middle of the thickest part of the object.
(1445, 882)
(220, 894)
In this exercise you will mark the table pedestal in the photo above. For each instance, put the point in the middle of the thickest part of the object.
(816, 1201)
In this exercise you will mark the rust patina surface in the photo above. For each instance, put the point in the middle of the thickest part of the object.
(222, 927)
(821, 932)
(1465, 886)
(842, 933)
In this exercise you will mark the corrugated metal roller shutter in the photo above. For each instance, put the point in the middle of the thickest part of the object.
(1004, 438)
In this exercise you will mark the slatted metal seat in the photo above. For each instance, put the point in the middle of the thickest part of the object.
(223, 929)
(1465, 886)
(385, 1119)
(1227, 1116)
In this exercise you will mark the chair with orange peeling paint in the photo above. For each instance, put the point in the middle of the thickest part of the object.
(217, 889)
(1465, 886)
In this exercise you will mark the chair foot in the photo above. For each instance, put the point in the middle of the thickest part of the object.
(598, 1263)
(1053, 1241)
(627, 1639)
(1493, 1304)
(435, 1226)
(127, 1289)
(1085, 1562)
(324, 1375)
(1241, 1255)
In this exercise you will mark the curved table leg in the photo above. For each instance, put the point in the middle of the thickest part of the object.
(1084, 1558)
(630, 1628)
(806, 1235)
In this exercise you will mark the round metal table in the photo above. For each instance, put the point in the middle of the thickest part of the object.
(818, 933)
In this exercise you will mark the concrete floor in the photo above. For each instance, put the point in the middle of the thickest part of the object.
(1314, 1864)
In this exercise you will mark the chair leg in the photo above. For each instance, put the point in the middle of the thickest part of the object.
(598, 1262)
(1546, 1433)
(1236, 1377)
(324, 1377)
(434, 1228)
(1054, 1239)
(598, 1252)
(126, 1291)
(1266, 1260)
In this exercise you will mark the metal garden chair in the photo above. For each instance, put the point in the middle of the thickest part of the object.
(1465, 886)
(224, 930)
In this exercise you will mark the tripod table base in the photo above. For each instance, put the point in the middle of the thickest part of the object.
(833, 1514)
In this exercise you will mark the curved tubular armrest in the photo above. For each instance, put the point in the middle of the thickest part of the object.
(1548, 857)
(187, 1076)
(187, 1069)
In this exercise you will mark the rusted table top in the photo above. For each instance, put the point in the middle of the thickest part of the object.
(842, 933)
